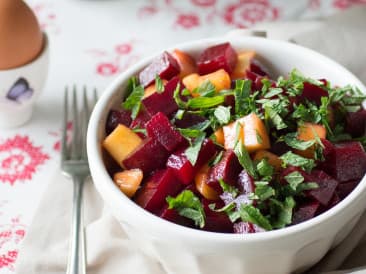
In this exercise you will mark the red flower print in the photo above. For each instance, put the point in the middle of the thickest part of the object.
(123, 49)
(10, 237)
(248, 12)
(19, 159)
(188, 21)
(314, 4)
(107, 69)
(57, 145)
(204, 3)
(147, 11)
(345, 4)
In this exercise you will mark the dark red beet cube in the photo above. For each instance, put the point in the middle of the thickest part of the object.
(216, 221)
(356, 123)
(165, 66)
(153, 193)
(182, 167)
(208, 150)
(116, 117)
(189, 120)
(305, 212)
(227, 169)
(346, 162)
(148, 157)
(313, 93)
(140, 120)
(162, 102)
(252, 76)
(327, 186)
(243, 228)
(159, 127)
(173, 216)
(257, 67)
(217, 57)
(345, 188)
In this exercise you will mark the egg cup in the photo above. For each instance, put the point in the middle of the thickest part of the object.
(20, 87)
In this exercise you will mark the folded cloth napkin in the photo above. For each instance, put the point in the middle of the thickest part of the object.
(45, 247)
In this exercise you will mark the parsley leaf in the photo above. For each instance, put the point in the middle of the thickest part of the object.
(206, 89)
(263, 191)
(229, 188)
(294, 179)
(133, 101)
(275, 118)
(264, 168)
(282, 212)
(249, 213)
(193, 151)
(292, 141)
(205, 102)
(189, 206)
(222, 114)
(244, 158)
(217, 159)
(159, 85)
(290, 158)
(242, 94)
(273, 92)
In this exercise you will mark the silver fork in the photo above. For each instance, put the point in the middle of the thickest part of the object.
(74, 165)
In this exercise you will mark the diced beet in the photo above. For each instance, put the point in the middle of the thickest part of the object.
(165, 66)
(216, 221)
(189, 120)
(246, 183)
(243, 228)
(230, 102)
(327, 186)
(328, 147)
(227, 169)
(257, 67)
(279, 148)
(217, 57)
(208, 150)
(345, 188)
(356, 123)
(335, 200)
(313, 93)
(162, 102)
(148, 157)
(252, 75)
(173, 216)
(140, 120)
(159, 127)
(116, 117)
(346, 162)
(153, 193)
(305, 212)
(182, 167)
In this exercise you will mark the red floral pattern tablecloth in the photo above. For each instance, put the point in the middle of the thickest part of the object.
(91, 42)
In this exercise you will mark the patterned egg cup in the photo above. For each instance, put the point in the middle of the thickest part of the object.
(20, 87)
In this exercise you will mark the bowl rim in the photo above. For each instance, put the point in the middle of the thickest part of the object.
(106, 187)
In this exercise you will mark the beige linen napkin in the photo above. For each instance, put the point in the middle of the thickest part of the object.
(45, 247)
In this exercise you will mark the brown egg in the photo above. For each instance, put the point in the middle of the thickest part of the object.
(21, 38)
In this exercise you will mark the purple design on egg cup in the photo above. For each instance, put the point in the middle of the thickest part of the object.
(20, 91)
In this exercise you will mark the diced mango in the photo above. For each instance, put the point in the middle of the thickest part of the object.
(219, 136)
(253, 133)
(272, 159)
(230, 133)
(151, 89)
(201, 184)
(186, 63)
(242, 65)
(128, 181)
(308, 132)
(220, 79)
(121, 142)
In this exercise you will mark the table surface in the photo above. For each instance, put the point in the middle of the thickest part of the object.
(92, 42)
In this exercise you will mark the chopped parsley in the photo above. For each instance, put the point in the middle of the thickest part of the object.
(188, 205)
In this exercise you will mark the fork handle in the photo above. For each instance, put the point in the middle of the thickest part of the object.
(76, 262)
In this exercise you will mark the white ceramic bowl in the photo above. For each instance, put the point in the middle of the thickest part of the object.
(183, 250)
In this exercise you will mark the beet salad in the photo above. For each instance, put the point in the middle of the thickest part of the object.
(215, 143)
